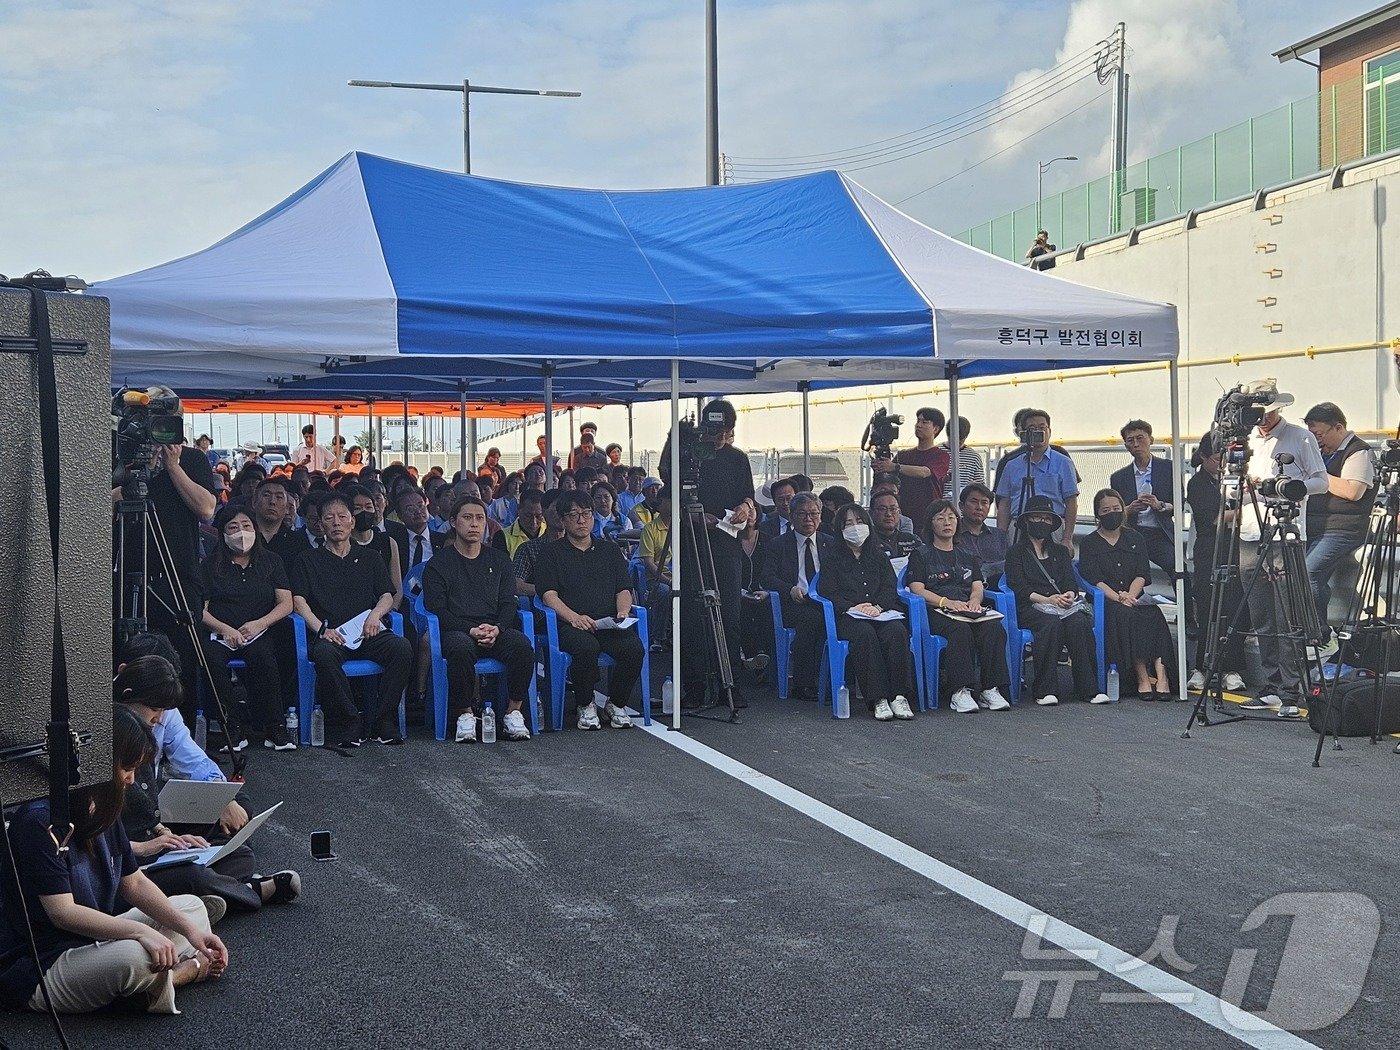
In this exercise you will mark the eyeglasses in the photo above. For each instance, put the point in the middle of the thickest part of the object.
(577, 515)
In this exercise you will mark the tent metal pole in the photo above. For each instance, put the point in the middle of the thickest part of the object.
(524, 442)
(405, 431)
(954, 435)
(569, 455)
(462, 434)
(374, 451)
(470, 457)
(806, 428)
(549, 480)
(631, 437)
(1178, 533)
(675, 478)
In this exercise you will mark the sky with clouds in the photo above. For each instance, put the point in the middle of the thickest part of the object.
(135, 131)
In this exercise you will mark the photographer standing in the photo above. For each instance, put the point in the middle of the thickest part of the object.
(1283, 450)
(1038, 468)
(1337, 519)
(922, 470)
(180, 494)
(725, 482)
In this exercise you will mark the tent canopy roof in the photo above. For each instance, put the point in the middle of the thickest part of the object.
(455, 276)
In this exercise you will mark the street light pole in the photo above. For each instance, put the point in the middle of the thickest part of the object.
(1043, 166)
(466, 87)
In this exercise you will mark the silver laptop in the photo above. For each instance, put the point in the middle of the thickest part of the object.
(195, 801)
(212, 854)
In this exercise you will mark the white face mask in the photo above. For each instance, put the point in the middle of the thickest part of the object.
(856, 534)
(240, 542)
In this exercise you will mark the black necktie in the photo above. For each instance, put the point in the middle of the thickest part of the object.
(417, 550)
(810, 557)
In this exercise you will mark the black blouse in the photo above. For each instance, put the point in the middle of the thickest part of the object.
(847, 580)
(239, 595)
(1116, 564)
(1203, 496)
(1024, 575)
(751, 566)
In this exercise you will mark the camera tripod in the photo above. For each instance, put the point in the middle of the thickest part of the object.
(719, 671)
(1280, 556)
(1368, 636)
(137, 523)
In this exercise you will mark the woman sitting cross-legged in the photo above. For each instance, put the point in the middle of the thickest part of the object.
(1114, 560)
(1048, 604)
(856, 577)
(90, 956)
(950, 582)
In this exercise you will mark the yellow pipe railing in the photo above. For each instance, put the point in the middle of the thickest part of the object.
(1112, 371)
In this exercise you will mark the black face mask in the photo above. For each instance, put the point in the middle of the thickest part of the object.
(1039, 530)
(1112, 520)
(365, 520)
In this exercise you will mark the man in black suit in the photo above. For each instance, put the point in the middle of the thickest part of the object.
(790, 562)
(779, 523)
(417, 542)
(1145, 485)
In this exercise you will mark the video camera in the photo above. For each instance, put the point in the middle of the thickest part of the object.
(1390, 455)
(697, 445)
(881, 433)
(143, 420)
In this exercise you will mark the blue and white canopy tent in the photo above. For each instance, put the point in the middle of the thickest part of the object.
(378, 276)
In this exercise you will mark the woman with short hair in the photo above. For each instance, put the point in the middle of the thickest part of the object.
(856, 577)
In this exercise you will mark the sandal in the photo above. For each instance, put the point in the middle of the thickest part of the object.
(286, 886)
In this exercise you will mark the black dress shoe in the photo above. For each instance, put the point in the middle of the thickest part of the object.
(806, 692)
(1149, 695)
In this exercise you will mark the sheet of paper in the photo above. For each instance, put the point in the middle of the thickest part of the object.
(612, 623)
(1055, 610)
(726, 523)
(898, 564)
(884, 617)
(353, 630)
(985, 615)
(215, 637)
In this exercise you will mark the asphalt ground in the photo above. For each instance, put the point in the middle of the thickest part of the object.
(609, 889)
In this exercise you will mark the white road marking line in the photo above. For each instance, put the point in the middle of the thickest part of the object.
(1246, 1027)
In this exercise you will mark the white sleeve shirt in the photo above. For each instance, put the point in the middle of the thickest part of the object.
(1296, 441)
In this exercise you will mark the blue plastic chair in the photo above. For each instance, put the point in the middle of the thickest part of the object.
(783, 637)
(832, 672)
(306, 677)
(437, 676)
(926, 647)
(203, 698)
(557, 663)
(1018, 641)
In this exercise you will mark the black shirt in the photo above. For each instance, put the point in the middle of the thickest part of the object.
(339, 589)
(1116, 564)
(180, 524)
(847, 580)
(726, 478)
(1203, 496)
(379, 542)
(287, 544)
(587, 581)
(897, 544)
(237, 595)
(467, 592)
(93, 878)
(1026, 574)
(948, 574)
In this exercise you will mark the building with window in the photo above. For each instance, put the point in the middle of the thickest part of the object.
(1358, 77)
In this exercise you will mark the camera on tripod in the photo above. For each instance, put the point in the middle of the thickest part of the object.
(143, 420)
(697, 445)
(1389, 456)
(881, 433)
(1285, 490)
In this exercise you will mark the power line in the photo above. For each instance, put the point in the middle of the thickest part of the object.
(1028, 87)
(971, 129)
(998, 153)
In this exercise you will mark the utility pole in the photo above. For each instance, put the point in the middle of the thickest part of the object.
(1114, 61)
(712, 167)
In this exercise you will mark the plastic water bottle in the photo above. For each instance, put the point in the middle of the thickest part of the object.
(488, 724)
(1112, 682)
(843, 703)
(318, 727)
(201, 729)
(668, 697)
(293, 724)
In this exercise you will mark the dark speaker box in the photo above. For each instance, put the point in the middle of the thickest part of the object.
(85, 516)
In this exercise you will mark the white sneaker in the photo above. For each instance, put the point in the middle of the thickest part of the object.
(588, 717)
(1328, 648)
(994, 700)
(1047, 701)
(617, 717)
(962, 702)
(900, 707)
(1267, 702)
(1100, 698)
(514, 727)
(883, 712)
(1197, 680)
(466, 729)
(1233, 682)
